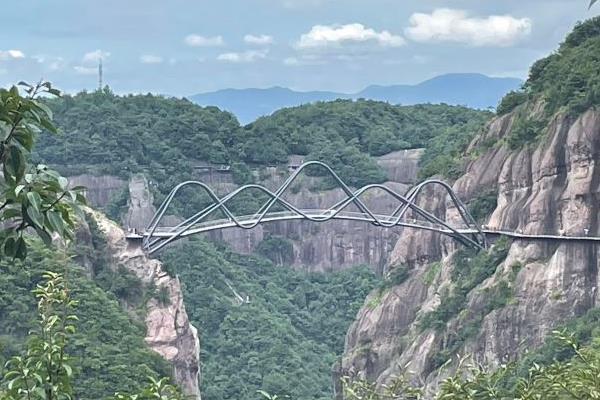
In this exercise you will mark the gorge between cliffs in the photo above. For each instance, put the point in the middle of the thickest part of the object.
(486, 286)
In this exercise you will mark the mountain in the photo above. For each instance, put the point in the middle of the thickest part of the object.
(472, 90)
(249, 104)
(533, 169)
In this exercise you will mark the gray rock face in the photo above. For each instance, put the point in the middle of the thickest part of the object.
(141, 204)
(552, 187)
(336, 244)
(99, 189)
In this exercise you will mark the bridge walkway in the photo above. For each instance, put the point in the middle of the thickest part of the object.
(248, 221)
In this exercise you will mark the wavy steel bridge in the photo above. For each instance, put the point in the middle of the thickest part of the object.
(406, 214)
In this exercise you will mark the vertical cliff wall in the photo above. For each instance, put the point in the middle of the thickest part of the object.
(169, 331)
(551, 187)
(337, 244)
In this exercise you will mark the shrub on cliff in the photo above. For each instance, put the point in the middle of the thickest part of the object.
(573, 379)
(568, 79)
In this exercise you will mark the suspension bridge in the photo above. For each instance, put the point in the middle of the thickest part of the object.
(217, 215)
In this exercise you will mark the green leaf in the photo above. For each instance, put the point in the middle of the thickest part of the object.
(18, 162)
(44, 236)
(25, 139)
(10, 247)
(8, 177)
(21, 249)
(46, 111)
(35, 200)
(36, 217)
(48, 125)
(18, 189)
(56, 222)
(80, 198)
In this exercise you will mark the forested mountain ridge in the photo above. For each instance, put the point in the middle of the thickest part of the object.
(119, 135)
(533, 170)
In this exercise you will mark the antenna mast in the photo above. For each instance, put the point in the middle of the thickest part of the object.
(100, 74)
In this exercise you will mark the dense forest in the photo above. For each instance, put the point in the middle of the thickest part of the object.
(108, 348)
(265, 326)
(567, 81)
(104, 133)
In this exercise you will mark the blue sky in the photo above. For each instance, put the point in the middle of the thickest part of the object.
(179, 47)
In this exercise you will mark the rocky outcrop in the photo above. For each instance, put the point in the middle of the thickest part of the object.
(169, 331)
(140, 208)
(552, 187)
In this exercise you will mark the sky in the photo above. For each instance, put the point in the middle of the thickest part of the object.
(184, 47)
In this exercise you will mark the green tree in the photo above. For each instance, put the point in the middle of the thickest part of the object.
(45, 371)
(38, 199)
(31, 197)
(576, 378)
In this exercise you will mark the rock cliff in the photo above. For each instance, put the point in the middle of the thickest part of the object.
(551, 187)
(169, 331)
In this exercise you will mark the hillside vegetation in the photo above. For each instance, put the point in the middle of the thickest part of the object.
(567, 81)
(108, 348)
(265, 326)
(104, 133)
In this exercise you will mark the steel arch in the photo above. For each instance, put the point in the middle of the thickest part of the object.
(155, 238)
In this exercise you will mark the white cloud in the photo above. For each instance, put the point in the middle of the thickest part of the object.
(313, 59)
(323, 36)
(85, 70)
(11, 54)
(447, 25)
(194, 40)
(57, 64)
(260, 40)
(248, 56)
(150, 59)
(50, 62)
(94, 57)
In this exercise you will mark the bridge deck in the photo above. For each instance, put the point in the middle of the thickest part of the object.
(249, 221)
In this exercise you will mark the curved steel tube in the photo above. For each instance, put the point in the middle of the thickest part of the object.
(153, 242)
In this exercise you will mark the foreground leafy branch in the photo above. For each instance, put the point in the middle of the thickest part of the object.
(44, 372)
(32, 198)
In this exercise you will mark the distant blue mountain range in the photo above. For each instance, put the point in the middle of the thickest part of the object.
(472, 90)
